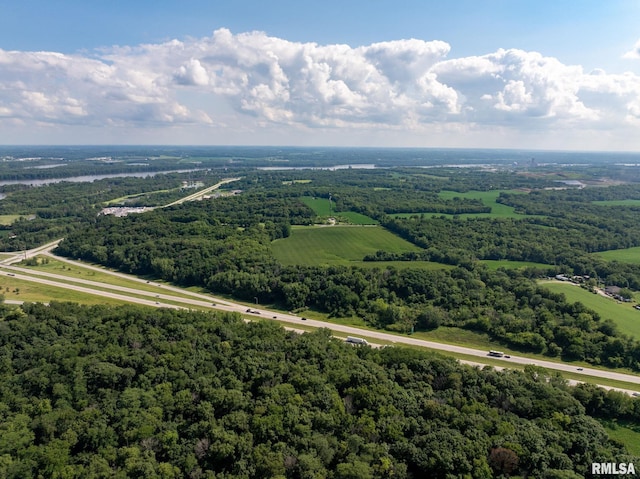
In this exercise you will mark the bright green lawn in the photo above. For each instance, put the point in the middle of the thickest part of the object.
(627, 255)
(623, 314)
(339, 245)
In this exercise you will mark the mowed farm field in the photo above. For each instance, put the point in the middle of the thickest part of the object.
(342, 245)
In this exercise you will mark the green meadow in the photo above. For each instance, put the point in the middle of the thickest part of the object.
(627, 255)
(617, 203)
(9, 219)
(488, 198)
(322, 207)
(623, 314)
(626, 433)
(338, 245)
(503, 263)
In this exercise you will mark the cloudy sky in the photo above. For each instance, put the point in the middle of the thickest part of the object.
(547, 74)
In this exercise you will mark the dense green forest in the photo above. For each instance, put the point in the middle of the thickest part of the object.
(104, 392)
(224, 245)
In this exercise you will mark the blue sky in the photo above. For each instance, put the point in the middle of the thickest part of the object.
(498, 73)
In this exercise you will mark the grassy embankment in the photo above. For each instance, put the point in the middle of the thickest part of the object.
(31, 291)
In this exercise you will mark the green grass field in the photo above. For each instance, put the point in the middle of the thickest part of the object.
(617, 203)
(78, 272)
(623, 314)
(336, 245)
(628, 434)
(495, 264)
(627, 255)
(19, 290)
(321, 207)
(8, 219)
(488, 198)
(356, 218)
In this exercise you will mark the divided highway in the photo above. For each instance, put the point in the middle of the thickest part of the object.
(187, 299)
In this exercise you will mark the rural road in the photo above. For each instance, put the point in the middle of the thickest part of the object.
(188, 299)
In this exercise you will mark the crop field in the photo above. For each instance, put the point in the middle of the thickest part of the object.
(627, 255)
(333, 245)
(623, 314)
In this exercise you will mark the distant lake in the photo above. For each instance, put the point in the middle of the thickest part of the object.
(355, 166)
(89, 178)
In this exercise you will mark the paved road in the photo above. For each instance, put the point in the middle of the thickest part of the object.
(201, 193)
(202, 300)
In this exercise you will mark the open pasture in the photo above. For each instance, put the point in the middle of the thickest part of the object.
(488, 198)
(9, 219)
(322, 207)
(336, 245)
(503, 263)
(623, 314)
(617, 203)
(627, 255)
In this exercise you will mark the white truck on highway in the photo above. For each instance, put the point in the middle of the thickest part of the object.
(354, 340)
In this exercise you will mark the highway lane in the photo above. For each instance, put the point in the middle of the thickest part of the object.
(202, 300)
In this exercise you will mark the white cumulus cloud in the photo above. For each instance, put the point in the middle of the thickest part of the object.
(252, 80)
(634, 53)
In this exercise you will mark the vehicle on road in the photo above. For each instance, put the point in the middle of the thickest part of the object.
(496, 354)
(354, 340)
(580, 369)
(507, 356)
